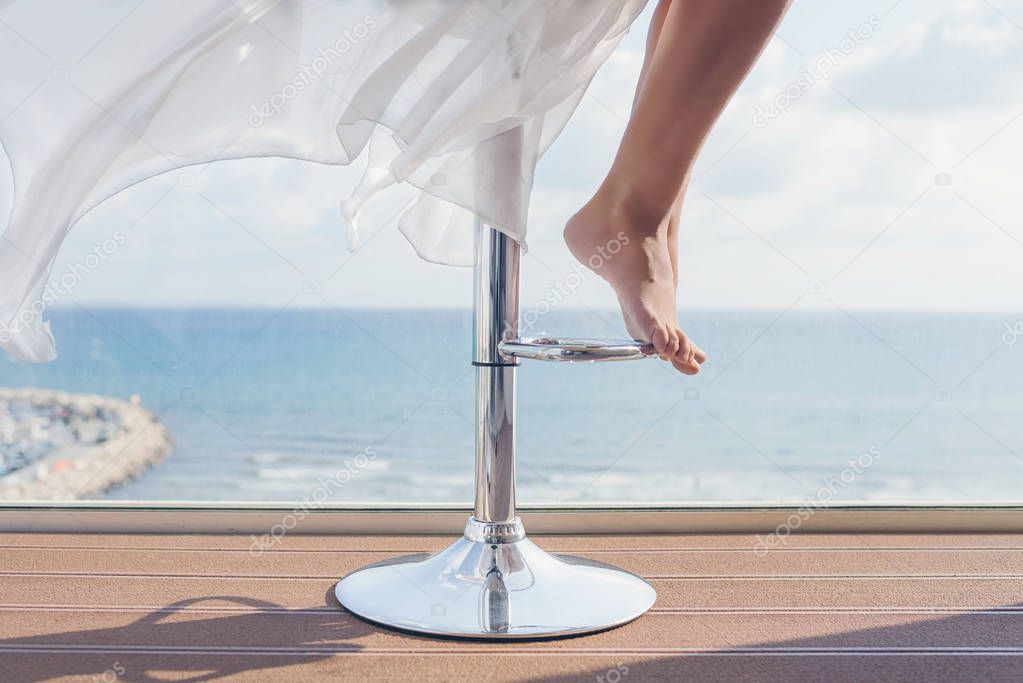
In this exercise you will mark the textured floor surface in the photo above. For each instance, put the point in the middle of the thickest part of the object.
(900, 607)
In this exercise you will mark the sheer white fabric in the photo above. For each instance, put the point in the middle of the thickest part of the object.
(429, 87)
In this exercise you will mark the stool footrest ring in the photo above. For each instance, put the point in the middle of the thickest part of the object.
(576, 350)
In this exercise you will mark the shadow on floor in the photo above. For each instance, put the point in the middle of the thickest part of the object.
(201, 639)
(156, 647)
(983, 645)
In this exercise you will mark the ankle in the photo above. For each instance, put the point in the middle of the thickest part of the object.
(631, 211)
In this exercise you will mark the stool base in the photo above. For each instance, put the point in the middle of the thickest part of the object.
(495, 583)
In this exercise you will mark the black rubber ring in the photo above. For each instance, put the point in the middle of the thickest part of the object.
(480, 364)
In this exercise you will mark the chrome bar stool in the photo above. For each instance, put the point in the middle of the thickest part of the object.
(494, 582)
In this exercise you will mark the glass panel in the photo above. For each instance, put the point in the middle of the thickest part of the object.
(849, 259)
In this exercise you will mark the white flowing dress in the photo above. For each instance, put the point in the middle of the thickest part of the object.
(455, 98)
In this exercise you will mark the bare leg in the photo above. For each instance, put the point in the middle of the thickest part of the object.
(674, 216)
(699, 57)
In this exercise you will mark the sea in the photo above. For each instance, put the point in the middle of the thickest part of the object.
(807, 407)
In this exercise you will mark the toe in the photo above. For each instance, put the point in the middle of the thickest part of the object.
(686, 348)
(686, 368)
(700, 355)
(660, 337)
(685, 359)
(672, 348)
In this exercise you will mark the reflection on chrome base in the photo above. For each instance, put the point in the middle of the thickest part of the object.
(495, 583)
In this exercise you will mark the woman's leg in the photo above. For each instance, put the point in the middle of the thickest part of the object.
(696, 61)
(674, 216)
(653, 36)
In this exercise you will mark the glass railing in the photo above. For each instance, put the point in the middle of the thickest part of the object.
(377, 406)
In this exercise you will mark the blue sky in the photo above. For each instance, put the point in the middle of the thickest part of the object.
(890, 184)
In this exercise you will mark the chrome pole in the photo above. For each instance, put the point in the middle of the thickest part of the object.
(495, 319)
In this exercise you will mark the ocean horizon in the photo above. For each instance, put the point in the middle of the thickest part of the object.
(371, 405)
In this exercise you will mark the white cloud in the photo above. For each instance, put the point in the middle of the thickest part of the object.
(817, 186)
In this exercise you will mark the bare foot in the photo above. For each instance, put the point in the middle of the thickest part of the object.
(637, 262)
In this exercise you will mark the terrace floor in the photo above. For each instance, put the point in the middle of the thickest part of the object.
(835, 607)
